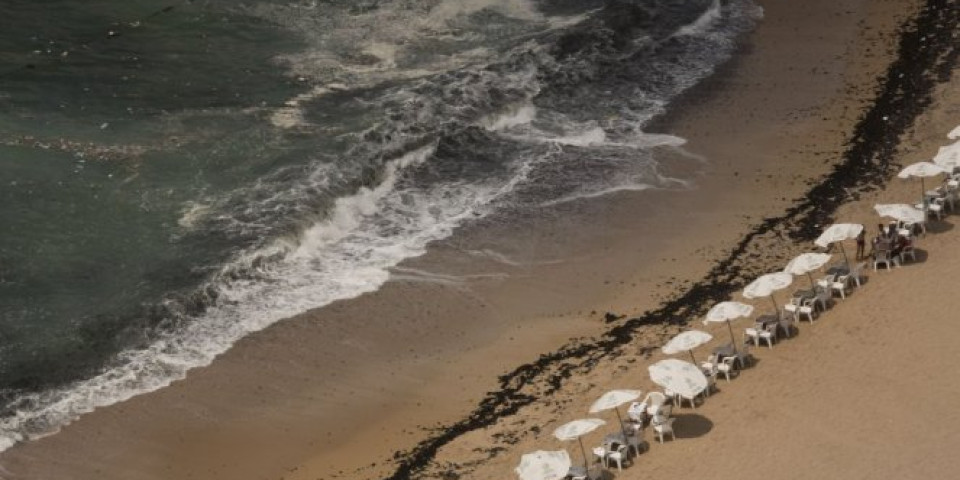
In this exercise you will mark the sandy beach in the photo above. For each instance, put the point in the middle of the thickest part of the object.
(474, 352)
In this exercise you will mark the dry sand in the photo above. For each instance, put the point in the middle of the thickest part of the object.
(336, 392)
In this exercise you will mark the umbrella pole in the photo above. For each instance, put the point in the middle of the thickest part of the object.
(692, 357)
(776, 309)
(844, 252)
(623, 429)
(584, 452)
(812, 285)
(733, 340)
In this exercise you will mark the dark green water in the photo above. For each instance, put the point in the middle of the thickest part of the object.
(175, 175)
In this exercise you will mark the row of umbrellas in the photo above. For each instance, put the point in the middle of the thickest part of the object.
(681, 377)
(686, 378)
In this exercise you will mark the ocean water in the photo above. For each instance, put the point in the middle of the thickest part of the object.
(175, 176)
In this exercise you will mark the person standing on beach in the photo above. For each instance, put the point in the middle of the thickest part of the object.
(861, 243)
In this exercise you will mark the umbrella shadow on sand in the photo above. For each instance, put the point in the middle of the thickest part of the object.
(692, 425)
(921, 257)
(939, 226)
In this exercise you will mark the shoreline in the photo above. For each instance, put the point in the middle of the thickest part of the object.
(568, 327)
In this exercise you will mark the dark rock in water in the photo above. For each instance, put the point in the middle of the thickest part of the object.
(612, 317)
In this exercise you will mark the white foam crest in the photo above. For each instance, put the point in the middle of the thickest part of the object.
(345, 256)
(639, 187)
(585, 136)
(348, 212)
(192, 213)
(520, 116)
(703, 23)
(394, 41)
(497, 256)
(595, 136)
(417, 275)
(291, 115)
(652, 140)
(446, 11)
(592, 137)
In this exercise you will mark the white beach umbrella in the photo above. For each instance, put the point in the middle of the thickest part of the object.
(682, 377)
(922, 170)
(686, 342)
(725, 312)
(837, 233)
(765, 285)
(612, 400)
(576, 429)
(805, 263)
(955, 133)
(544, 465)
(948, 157)
(900, 211)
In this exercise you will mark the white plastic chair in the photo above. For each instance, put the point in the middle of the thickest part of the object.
(752, 334)
(934, 207)
(710, 365)
(823, 298)
(856, 274)
(884, 257)
(618, 455)
(840, 285)
(908, 250)
(601, 454)
(950, 192)
(665, 427)
(633, 441)
(768, 335)
(711, 383)
(654, 400)
(726, 366)
(799, 307)
(786, 323)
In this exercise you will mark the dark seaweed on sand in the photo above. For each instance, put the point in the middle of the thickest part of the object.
(927, 54)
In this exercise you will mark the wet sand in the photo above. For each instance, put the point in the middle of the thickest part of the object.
(336, 392)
